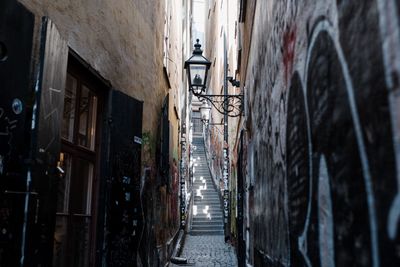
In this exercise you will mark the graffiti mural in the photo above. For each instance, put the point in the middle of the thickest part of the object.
(330, 174)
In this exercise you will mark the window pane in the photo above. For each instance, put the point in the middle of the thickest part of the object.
(69, 108)
(83, 187)
(87, 118)
(64, 183)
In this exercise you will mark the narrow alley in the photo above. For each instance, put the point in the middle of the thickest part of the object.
(204, 244)
(156, 133)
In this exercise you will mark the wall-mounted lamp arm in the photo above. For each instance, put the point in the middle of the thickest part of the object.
(234, 82)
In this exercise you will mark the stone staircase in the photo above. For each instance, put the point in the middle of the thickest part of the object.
(207, 216)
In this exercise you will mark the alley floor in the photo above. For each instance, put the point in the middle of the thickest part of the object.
(204, 243)
(208, 251)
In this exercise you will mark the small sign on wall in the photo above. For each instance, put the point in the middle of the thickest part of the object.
(137, 140)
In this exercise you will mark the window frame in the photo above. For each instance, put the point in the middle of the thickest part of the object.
(85, 77)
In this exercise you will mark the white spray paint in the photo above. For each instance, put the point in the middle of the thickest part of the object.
(390, 35)
(325, 217)
(325, 26)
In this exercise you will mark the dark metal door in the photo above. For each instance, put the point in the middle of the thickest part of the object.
(124, 212)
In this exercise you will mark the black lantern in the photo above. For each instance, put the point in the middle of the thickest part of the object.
(205, 112)
(197, 68)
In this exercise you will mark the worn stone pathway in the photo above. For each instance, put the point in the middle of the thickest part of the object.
(208, 251)
(204, 243)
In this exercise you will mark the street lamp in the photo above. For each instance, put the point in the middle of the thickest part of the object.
(205, 112)
(197, 67)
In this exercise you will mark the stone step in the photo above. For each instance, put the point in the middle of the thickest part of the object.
(207, 195)
(204, 196)
(210, 187)
(213, 197)
(213, 207)
(210, 222)
(206, 201)
(199, 218)
(210, 205)
(211, 210)
(213, 213)
(198, 221)
(209, 191)
(202, 216)
(207, 232)
(218, 228)
(208, 227)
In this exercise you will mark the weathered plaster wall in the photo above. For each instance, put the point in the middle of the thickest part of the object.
(323, 98)
(129, 43)
(122, 40)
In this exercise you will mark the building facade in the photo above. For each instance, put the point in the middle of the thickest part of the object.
(90, 121)
(319, 153)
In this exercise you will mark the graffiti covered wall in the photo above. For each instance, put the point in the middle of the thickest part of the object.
(323, 112)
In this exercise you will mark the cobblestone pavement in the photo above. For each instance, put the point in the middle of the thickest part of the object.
(208, 251)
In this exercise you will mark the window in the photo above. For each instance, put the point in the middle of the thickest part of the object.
(80, 102)
(73, 239)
